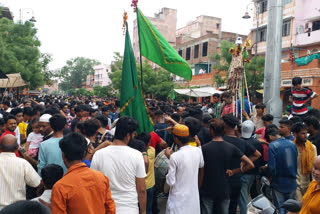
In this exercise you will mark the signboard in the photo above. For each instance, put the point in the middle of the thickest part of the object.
(305, 82)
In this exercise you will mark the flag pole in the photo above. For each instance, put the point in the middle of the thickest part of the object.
(136, 9)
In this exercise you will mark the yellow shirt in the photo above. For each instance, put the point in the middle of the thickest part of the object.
(23, 128)
(150, 181)
(311, 200)
(193, 144)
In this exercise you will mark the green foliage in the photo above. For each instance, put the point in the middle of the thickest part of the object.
(158, 83)
(75, 72)
(100, 91)
(116, 71)
(223, 59)
(48, 74)
(56, 92)
(19, 52)
(218, 80)
(116, 79)
(116, 65)
(256, 65)
(225, 46)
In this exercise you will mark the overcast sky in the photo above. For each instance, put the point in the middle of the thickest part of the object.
(93, 29)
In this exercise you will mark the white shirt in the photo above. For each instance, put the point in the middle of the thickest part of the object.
(46, 196)
(15, 173)
(35, 140)
(122, 165)
(182, 178)
(18, 136)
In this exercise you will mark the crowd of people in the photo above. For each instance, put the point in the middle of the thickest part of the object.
(78, 155)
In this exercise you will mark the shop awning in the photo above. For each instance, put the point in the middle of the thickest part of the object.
(13, 81)
(260, 91)
(198, 92)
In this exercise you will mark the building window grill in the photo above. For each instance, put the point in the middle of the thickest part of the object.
(205, 49)
(196, 51)
(188, 53)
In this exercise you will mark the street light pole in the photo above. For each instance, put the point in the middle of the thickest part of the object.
(272, 71)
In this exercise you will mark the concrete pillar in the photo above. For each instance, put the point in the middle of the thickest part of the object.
(272, 71)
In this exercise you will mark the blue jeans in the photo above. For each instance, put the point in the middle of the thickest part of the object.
(246, 180)
(150, 193)
(208, 204)
(279, 198)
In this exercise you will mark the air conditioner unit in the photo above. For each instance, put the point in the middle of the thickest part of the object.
(300, 29)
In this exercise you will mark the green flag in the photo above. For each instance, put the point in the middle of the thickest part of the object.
(156, 48)
(172, 95)
(131, 99)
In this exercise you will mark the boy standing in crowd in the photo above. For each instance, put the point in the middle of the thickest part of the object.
(300, 96)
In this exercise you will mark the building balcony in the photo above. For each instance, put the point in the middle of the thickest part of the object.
(306, 39)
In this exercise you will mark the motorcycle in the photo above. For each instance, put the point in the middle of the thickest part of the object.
(262, 205)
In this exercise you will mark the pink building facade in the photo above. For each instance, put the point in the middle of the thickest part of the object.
(101, 75)
(307, 22)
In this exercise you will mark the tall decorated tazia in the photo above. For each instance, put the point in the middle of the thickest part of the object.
(131, 99)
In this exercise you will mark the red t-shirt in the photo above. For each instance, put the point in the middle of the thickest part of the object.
(228, 109)
(155, 139)
(8, 132)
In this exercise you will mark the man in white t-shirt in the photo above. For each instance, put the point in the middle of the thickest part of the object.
(125, 169)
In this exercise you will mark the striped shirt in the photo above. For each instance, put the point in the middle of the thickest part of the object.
(299, 99)
(15, 173)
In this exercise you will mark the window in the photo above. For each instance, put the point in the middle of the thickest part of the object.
(188, 53)
(218, 25)
(196, 51)
(263, 6)
(316, 25)
(286, 2)
(262, 35)
(180, 52)
(205, 49)
(286, 28)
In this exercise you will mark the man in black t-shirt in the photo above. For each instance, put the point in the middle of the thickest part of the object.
(230, 124)
(141, 147)
(203, 134)
(248, 178)
(218, 155)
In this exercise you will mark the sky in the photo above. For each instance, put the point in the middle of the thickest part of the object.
(93, 29)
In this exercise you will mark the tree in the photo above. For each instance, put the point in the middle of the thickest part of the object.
(218, 80)
(19, 52)
(75, 72)
(116, 65)
(158, 83)
(255, 73)
(254, 70)
(48, 74)
(101, 91)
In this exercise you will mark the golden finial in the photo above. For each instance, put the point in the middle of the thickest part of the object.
(125, 18)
